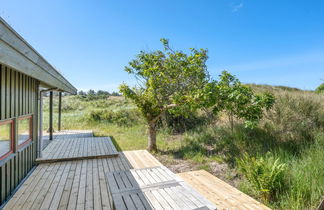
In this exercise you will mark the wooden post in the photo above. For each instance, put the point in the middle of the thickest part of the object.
(51, 116)
(40, 149)
(59, 111)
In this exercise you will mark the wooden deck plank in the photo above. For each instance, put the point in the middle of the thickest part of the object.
(89, 186)
(147, 181)
(65, 150)
(63, 169)
(33, 191)
(169, 199)
(141, 159)
(163, 202)
(97, 203)
(26, 185)
(68, 187)
(75, 186)
(60, 188)
(41, 195)
(103, 187)
(82, 186)
(220, 193)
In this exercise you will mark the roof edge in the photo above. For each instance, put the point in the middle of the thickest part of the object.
(16, 52)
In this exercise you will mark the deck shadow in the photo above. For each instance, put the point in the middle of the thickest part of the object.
(153, 188)
(115, 143)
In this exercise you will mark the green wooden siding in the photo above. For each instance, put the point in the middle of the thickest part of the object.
(19, 97)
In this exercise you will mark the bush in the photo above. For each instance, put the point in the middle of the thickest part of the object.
(320, 89)
(121, 117)
(294, 117)
(182, 123)
(266, 175)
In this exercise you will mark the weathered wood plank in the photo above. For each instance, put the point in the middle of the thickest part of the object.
(217, 191)
(128, 185)
(82, 186)
(88, 148)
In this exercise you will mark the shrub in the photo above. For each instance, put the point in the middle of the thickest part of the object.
(182, 123)
(120, 117)
(294, 117)
(320, 89)
(266, 175)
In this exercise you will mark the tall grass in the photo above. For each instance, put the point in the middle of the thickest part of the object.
(305, 178)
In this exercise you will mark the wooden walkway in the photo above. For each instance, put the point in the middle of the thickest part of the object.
(223, 195)
(77, 184)
(141, 159)
(153, 188)
(77, 149)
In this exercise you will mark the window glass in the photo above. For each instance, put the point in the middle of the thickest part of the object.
(24, 129)
(5, 139)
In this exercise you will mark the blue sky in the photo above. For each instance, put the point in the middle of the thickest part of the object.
(265, 42)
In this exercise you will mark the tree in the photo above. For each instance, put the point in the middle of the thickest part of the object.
(168, 80)
(91, 92)
(115, 93)
(81, 93)
(320, 88)
(238, 100)
(102, 94)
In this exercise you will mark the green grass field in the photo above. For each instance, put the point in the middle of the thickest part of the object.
(290, 135)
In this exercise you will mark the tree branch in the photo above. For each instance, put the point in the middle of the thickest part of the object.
(162, 112)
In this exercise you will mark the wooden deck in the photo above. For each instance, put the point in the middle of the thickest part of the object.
(153, 188)
(223, 195)
(68, 134)
(77, 184)
(78, 149)
(86, 183)
(64, 134)
(141, 159)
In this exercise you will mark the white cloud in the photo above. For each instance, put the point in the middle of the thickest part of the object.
(237, 7)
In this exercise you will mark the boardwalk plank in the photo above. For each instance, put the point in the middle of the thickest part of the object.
(68, 187)
(130, 184)
(78, 149)
(75, 187)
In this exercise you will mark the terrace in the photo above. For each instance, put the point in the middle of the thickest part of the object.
(79, 171)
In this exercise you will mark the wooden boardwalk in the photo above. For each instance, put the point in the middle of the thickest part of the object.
(223, 195)
(77, 149)
(77, 184)
(141, 159)
(153, 188)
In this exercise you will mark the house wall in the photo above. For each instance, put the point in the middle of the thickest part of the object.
(19, 97)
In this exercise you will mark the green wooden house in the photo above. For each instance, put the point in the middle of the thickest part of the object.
(24, 76)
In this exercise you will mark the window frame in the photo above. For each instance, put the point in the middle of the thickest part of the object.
(12, 137)
(30, 117)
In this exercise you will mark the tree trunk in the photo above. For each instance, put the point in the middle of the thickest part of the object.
(231, 120)
(152, 137)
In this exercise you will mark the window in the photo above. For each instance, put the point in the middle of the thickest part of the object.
(6, 138)
(24, 130)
